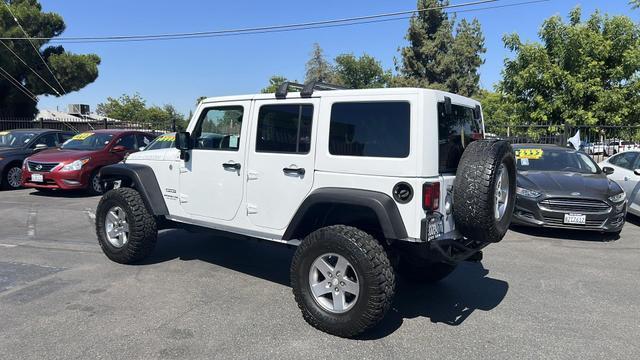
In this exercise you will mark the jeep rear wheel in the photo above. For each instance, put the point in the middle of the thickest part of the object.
(126, 230)
(342, 280)
(484, 190)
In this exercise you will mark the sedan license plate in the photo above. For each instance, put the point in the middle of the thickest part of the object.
(37, 178)
(575, 219)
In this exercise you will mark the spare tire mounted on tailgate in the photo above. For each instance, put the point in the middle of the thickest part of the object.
(484, 190)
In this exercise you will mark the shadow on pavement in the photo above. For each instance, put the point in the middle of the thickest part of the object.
(70, 194)
(632, 219)
(263, 259)
(449, 302)
(565, 234)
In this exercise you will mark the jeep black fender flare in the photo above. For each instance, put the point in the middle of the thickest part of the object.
(143, 179)
(381, 204)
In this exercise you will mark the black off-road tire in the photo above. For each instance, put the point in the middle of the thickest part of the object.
(142, 226)
(474, 190)
(424, 271)
(375, 276)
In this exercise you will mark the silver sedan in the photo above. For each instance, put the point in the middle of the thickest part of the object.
(626, 173)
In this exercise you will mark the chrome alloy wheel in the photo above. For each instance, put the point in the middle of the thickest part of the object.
(334, 283)
(501, 192)
(116, 227)
(14, 176)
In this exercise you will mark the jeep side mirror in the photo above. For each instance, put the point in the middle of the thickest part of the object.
(183, 141)
(40, 147)
(608, 170)
(637, 172)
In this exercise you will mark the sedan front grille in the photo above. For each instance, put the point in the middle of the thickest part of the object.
(589, 224)
(582, 206)
(41, 166)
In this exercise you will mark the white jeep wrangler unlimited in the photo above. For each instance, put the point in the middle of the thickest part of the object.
(364, 182)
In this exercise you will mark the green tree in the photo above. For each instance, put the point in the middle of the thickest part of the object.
(360, 73)
(583, 72)
(133, 109)
(274, 82)
(73, 71)
(318, 68)
(634, 4)
(436, 57)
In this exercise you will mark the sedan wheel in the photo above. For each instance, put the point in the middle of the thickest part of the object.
(14, 176)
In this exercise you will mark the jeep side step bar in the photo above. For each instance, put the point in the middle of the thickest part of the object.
(306, 90)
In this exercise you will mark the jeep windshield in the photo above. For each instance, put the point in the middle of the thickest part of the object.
(15, 139)
(455, 131)
(87, 141)
(549, 159)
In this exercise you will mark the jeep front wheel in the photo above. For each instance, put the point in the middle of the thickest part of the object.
(342, 280)
(126, 230)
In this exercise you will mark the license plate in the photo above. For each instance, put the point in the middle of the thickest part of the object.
(37, 178)
(576, 219)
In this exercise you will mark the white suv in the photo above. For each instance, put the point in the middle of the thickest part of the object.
(364, 182)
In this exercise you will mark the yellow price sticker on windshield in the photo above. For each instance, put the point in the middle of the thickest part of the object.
(166, 138)
(82, 136)
(532, 154)
(2, 133)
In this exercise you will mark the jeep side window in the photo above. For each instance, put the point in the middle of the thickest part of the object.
(455, 132)
(219, 128)
(376, 129)
(284, 128)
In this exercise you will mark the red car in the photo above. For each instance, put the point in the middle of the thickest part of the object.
(75, 165)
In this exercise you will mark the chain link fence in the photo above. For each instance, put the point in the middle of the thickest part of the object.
(598, 141)
(81, 125)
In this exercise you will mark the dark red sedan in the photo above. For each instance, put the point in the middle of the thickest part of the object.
(76, 164)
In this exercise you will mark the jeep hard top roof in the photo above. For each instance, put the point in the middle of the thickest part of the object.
(347, 93)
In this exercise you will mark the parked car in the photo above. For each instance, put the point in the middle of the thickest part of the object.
(164, 141)
(617, 146)
(76, 164)
(596, 148)
(16, 145)
(563, 188)
(358, 180)
(627, 174)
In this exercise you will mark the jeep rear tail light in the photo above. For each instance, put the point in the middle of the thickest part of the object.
(431, 196)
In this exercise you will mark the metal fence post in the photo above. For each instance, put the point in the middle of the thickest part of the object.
(41, 123)
(105, 122)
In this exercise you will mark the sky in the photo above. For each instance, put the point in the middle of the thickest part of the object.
(177, 72)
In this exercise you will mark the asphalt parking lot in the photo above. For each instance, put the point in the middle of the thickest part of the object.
(537, 294)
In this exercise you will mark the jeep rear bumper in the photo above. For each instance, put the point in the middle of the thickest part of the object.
(450, 247)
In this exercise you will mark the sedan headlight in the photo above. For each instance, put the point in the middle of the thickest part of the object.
(618, 198)
(527, 193)
(75, 166)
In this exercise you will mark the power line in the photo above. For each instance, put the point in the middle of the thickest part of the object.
(17, 84)
(300, 26)
(297, 29)
(30, 68)
(34, 46)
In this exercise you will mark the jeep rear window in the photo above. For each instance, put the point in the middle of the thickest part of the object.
(375, 129)
(455, 132)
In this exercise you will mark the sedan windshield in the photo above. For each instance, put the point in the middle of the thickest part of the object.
(538, 159)
(15, 139)
(87, 141)
(162, 142)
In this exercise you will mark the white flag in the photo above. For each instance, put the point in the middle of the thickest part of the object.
(575, 140)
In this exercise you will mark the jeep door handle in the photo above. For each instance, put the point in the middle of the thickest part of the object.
(294, 170)
(231, 165)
